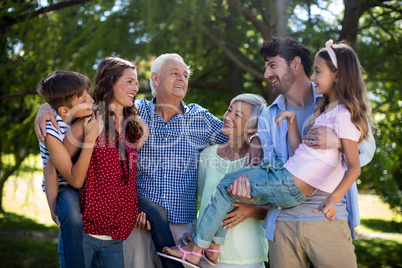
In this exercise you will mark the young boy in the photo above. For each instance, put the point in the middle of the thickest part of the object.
(67, 94)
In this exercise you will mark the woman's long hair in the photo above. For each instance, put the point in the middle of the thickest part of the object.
(349, 86)
(109, 71)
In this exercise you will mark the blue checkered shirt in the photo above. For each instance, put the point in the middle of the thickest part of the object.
(167, 162)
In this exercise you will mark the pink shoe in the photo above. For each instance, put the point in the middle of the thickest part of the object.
(183, 258)
(213, 263)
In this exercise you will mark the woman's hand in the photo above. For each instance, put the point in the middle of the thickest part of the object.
(142, 222)
(238, 215)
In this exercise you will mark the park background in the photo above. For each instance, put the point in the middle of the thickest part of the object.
(220, 41)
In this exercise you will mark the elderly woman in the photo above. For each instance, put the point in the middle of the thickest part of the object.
(245, 244)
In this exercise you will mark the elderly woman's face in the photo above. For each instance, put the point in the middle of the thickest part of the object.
(173, 80)
(237, 119)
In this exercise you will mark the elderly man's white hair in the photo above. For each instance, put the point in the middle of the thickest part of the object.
(258, 104)
(158, 63)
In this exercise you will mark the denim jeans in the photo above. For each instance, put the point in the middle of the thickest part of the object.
(103, 253)
(70, 235)
(269, 183)
(160, 230)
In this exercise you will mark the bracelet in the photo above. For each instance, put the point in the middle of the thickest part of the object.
(251, 137)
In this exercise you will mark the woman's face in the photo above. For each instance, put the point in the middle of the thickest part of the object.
(237, 119)
(125, 89)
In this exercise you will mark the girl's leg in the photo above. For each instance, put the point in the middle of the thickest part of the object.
(160, 230)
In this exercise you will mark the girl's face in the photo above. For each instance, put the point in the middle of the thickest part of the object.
(125, 89)
(237, 119)
(323, 78)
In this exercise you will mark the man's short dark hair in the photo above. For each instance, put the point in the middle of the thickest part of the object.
(59, 88)
(288, 49)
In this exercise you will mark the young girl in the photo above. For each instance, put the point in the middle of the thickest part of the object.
(337, 75)
(109, 201)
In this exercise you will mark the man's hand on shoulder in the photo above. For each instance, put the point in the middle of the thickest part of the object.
(44, 114)
(321, 137)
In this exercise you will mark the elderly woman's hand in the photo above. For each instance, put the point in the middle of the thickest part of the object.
(238, 215)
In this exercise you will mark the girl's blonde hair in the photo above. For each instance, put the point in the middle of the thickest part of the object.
(349, 85)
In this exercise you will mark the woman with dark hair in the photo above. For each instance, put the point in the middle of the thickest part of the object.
(109, 202)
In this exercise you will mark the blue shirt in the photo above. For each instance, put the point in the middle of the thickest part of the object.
(273, 141)
(167, 162)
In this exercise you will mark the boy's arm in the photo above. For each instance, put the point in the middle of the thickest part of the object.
(293, 131)
(51, 189)
(351, 153)
(83, 134)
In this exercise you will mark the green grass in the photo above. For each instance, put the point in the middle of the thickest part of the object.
(377, 252)
(11, 222)
(382, 226)
(26, 251)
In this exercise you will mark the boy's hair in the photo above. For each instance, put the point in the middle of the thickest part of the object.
(60, 87)
(288, 49)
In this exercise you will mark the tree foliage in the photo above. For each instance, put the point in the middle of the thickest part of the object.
(219, 39)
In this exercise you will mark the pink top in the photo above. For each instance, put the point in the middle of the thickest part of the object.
(324, 169)
(109, 202)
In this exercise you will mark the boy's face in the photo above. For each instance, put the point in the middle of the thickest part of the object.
(81, 106)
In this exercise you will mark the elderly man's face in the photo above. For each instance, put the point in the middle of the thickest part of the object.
(173, 80)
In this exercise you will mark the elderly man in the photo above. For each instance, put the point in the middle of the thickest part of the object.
(167, 163)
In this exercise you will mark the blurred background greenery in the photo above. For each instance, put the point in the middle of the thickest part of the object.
(220, 40)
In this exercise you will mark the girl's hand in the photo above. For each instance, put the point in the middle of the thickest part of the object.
(327, 207)
(93, 126)
(233, 218)
(142, 222)
(290, 116)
